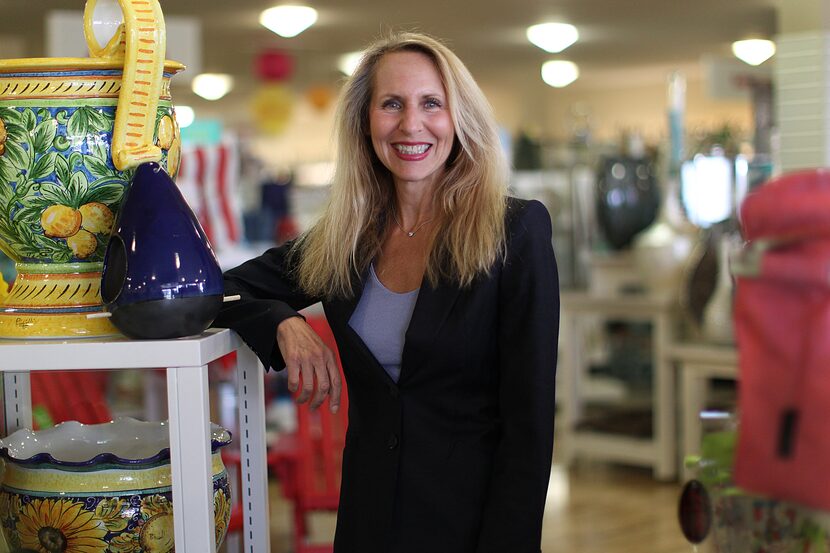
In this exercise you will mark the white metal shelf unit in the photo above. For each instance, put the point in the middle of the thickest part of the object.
(657, 452)
(186, 361)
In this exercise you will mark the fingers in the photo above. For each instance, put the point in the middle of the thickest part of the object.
(328, 383)
(336, 384)
(308, 362)
(323, 386)
(293, 370)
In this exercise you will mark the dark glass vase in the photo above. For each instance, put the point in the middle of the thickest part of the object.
(160, 278)
(628, 199)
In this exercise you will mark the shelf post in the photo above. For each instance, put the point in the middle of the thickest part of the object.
(251, 392)
(17, 401)
(189, 422)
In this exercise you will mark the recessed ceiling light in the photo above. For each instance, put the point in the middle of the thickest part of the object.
(552, 37)
(347, 63)
(559, 73)
(753, 51)
(212, 86)
(288, 21)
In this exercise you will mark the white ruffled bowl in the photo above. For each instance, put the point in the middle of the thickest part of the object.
(97, 488)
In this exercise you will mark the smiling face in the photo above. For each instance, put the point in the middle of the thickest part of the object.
(409, 119)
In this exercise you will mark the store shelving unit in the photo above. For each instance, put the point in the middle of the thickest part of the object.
(699, 364)
(186, 362)
(659, 451)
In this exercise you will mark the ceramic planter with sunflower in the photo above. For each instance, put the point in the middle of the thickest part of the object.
(72, 131)
(101, 488)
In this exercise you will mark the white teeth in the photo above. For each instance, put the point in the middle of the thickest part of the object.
(412, 150)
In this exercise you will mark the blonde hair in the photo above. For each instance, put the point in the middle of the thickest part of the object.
(468, 235)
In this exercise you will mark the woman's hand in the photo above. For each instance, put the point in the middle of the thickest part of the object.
(307, 358)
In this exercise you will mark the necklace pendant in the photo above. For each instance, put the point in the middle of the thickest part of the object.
(410, 234)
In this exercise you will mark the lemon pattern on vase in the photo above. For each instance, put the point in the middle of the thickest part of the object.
(59, 194)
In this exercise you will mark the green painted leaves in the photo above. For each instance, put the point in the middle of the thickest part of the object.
(56, 157)
(86, 121)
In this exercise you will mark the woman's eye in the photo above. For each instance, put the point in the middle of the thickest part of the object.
(391, 104)
(432, 103)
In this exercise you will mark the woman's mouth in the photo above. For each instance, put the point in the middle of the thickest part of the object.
(411, 152)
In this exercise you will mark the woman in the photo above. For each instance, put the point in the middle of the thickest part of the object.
(442, 294)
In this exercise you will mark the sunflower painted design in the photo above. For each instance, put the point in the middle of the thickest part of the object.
(153, 533)
(221, 514)
(52, 526)
(3, 136)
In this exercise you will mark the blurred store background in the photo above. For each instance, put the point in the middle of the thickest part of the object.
(642, 150)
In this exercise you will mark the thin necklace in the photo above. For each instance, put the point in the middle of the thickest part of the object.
(412, 232)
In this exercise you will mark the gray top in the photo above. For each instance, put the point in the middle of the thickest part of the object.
(381, 319)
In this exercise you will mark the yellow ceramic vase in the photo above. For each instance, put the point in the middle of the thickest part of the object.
(98, 488)
(72, 131)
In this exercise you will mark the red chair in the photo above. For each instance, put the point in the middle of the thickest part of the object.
(308, 461)
(69, 395)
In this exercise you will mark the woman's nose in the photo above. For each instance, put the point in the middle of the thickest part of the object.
(410, 120)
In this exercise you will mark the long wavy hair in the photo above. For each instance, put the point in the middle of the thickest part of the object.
(470, 200)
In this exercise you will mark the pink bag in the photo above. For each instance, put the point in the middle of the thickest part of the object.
(782, 319)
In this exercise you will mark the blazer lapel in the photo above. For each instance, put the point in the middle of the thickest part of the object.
(342, 311)
(431, 310)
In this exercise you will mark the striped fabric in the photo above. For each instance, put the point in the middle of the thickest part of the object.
(208, 178)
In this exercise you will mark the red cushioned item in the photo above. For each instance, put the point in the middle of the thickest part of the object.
(782, 319)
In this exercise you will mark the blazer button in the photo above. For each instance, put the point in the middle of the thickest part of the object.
(393, 441)
(393, 392)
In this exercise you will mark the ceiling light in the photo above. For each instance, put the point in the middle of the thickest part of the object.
(212, 86)
(288, 21)
(184, 116)
(347, 63)
(552, 37)
(559, 73)
(754, 51)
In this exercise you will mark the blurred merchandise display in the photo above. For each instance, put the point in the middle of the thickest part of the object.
(714, 512)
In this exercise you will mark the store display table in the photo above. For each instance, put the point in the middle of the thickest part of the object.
(186, 361)
(657, 451)
(698, 364)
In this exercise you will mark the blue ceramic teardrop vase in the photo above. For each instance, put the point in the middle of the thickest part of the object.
(628, 199)
(160, 277)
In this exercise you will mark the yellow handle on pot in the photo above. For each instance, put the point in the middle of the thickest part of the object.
(140, 40)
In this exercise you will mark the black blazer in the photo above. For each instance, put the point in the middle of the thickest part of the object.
(455, 457)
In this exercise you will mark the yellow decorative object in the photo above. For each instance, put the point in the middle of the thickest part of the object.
(144, 39)
(4, 289)
(319, 96)
(71, 131)
(30, 304)
(272, 106)
(59, 525)
(88, 482)
(103, 488)
(166, 132)
(3, 136)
